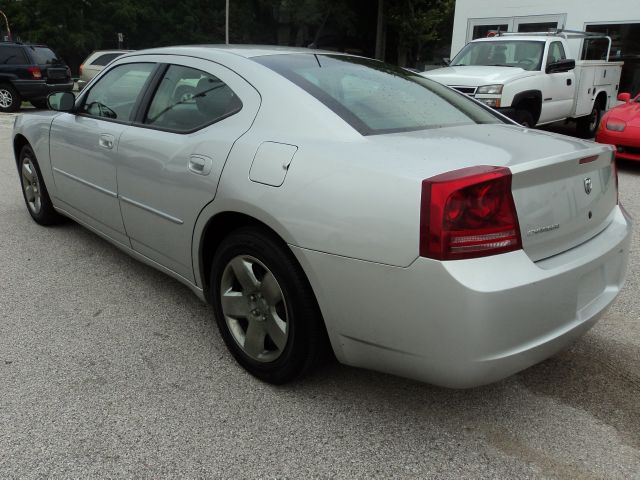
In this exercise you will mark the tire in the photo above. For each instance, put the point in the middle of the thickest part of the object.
(264, 307)
(9, 99)
(40, 103)
(524, 118)
(34, 191)
(588, 125)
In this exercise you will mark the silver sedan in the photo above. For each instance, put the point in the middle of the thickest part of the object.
(325, 202)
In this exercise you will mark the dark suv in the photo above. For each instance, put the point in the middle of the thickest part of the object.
(30, 72)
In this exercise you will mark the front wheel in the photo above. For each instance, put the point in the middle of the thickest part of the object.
(264, 307)
(524, 118)
(34, 190)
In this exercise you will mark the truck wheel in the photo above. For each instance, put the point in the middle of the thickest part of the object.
(9, 99)
(524, 118)
(588, 125)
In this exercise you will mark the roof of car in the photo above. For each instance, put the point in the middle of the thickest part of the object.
(246, 51)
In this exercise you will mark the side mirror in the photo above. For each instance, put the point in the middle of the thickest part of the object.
(624, 97)
(61, 101)
(446, 61)
(561, 66)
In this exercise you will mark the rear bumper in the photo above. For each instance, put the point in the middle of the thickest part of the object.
(40, 89)
(466, 323)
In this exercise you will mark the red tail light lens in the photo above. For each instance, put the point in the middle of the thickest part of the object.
(468, 213)
(80, 69)
(35, 72)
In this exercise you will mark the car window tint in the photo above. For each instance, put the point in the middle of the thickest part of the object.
(115, 94)
(12, 56)
(377, 98)
(102, 60)
(187, 99)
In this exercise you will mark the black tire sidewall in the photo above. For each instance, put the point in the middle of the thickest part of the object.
(47, 214)
(584, 124)
(15, 97)
(304, 336)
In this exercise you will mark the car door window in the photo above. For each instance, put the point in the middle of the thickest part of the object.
(115, 94)
(556, 53)
(188, 99)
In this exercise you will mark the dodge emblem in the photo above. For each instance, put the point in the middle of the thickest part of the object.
(588, 185)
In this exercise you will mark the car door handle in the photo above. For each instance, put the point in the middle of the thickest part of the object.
(569, 82)
(200, 164)
(106, 141)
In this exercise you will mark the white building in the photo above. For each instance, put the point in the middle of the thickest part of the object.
(620, 19)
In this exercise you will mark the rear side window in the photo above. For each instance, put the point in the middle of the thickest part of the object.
(377, 98)
(116, 93)
(12, 56)
(44, 56)
(102, 60)
(188, 99)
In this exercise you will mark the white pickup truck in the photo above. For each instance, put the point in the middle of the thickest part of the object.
(532, 79)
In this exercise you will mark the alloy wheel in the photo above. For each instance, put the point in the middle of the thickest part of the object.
(6, 98)
(254, 308)
(31, 185)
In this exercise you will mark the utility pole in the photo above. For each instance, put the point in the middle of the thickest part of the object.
(6, 22)
(226, 24)
(380, 31)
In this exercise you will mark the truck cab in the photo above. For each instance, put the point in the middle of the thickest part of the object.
(534, 78)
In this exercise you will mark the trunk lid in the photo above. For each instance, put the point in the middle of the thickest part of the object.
(550, 176)
(563, 201)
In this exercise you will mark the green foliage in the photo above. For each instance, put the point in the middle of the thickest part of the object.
(74, 28)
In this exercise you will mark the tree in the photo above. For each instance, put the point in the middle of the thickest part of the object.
(419, 24)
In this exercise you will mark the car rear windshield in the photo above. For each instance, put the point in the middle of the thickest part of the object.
(44, 56)
(102, 60)
(376, 98)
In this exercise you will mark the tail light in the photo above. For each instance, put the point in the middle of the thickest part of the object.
(468, 213)
(80, 69)
(35, 72)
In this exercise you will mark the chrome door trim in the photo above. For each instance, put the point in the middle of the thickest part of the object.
(84, 182)
(166, 216)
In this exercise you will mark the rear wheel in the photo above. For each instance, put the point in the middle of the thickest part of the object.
(34, 190)
(588, 125)
(264, 307)
(9, 99)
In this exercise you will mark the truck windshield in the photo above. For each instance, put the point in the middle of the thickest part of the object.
(502, 53)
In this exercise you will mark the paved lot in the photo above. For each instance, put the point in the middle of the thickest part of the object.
(109, 368)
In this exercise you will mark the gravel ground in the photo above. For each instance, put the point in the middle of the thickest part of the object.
(111, 369)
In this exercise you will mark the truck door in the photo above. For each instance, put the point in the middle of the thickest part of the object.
(558, 88)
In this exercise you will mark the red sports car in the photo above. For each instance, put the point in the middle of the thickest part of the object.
(620, 126)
